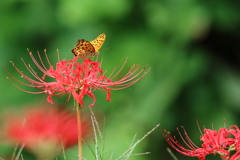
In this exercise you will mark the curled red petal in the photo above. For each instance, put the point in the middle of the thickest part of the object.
(49, 99)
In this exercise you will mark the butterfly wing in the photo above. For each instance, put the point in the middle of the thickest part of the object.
(98, 42)
(83, 48)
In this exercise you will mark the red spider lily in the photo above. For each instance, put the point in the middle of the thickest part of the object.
(220, 142)
(216, 142)
(77, 79)
(44, 130)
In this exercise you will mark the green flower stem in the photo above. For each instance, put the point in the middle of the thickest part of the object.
(77, 106)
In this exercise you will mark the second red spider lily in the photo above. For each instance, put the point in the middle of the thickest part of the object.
(44, 130)
(77, 78)
(222, 142)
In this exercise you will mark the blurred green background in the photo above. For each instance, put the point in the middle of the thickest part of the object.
(192, 47)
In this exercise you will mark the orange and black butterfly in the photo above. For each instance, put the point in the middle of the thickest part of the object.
(84, 48)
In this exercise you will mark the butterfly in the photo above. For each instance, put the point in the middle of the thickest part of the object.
(84, 48)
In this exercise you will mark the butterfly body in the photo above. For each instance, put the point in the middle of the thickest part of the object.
(84, 48)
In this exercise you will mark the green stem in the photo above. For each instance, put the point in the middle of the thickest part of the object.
(77, 106)
(170, 152)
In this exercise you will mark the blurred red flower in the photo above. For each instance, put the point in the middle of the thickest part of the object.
(214, 142)
(78, 79)
(44, 130)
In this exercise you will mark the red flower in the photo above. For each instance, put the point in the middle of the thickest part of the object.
(216, 142)
(44, 130)
(78, 79)
(220, 142)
